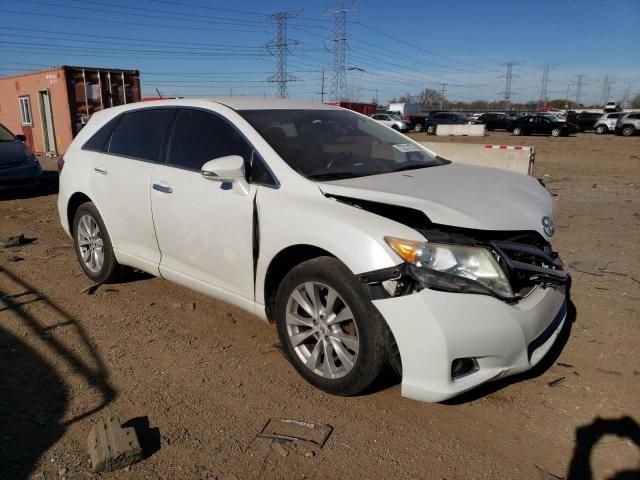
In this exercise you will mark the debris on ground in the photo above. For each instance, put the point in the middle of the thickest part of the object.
(15, 258)
(112, 447)
(296, 430)
(556, 382)
(91, 289)
(14, 241)
(565, 365)
(608, 372)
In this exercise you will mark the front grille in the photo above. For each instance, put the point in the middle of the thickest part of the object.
(528, 265)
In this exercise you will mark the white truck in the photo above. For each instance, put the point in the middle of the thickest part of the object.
(403, 109)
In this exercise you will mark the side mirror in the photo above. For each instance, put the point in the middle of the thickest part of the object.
(22, 138)
(224, 169)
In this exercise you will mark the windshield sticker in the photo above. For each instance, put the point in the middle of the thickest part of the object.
(407, 147)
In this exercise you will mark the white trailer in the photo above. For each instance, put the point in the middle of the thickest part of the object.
(403, 109)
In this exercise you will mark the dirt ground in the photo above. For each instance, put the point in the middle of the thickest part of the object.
(199, 378)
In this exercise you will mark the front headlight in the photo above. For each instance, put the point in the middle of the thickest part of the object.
(456, 268)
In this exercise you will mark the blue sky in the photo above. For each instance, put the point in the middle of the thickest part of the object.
(198, 47)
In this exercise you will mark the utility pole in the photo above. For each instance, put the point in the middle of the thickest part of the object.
(579, 88)
(566, 102)
(604, 96)
(507, 87)
(339, 90)
(281, 45)
(443, 89)
(544, 99)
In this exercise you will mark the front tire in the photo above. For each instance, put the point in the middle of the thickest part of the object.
(328, 328)
(418, 127)
(600, 129)
(431, 130)
(517, 131)
(628, 131)
(93, 246)
(556, 132)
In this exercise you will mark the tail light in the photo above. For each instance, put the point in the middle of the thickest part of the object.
(60, 163)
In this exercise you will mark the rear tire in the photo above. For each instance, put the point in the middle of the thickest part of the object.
(556, 132)
(600, 129)
(418, 127)
(93, 246)
(517, 131)
(395, 127)
(341, 357)
(431, 130)
(628, 131)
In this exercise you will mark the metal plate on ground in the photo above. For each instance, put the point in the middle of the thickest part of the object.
(296, 430)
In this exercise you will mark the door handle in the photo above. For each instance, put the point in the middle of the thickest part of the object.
(100, 170)
(162, 188)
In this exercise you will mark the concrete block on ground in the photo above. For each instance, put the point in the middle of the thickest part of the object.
(515, 158)
(472, 130)
(112, 447)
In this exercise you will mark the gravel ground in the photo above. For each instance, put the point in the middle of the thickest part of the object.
(199, 378)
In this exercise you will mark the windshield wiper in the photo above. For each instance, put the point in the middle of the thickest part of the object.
(332, 175)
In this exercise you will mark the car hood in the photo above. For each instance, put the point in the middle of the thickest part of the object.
(11, 152)
(458, 195)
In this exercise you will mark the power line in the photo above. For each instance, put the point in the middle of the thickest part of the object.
(544, 99)
(281, 44)
(579, 87)
(442, 91)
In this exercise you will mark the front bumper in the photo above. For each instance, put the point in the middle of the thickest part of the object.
(434, 328)
(20, 176)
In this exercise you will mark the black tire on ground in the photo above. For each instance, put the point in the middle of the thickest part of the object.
(370, 325)
(517, 131)
(600, 129)
(418, 127)
(111, 270)
(395, 127)
(628, 131)
(431, 129)
(556, 132)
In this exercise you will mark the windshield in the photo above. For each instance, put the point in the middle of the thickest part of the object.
(5, 134)
(334, 144)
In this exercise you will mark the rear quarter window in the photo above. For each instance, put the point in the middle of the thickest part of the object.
(140, 134)
(99, 141)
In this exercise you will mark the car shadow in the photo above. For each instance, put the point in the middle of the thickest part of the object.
(588, 435)
(33, 394)
(48, 185)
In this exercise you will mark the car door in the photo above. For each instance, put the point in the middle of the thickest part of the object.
(612, 119)
(204, 227)
(120, 184)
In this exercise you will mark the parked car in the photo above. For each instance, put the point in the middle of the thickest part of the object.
(607, 122)
(612, 107)
(431, 122)
(583, 120)
(18, 165)
(628, 124)
(359, 244)
(496, 121)
(392, 121)
(540, 124)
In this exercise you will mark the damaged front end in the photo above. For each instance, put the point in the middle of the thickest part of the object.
(514, 262)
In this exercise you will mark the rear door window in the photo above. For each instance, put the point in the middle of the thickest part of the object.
(140, 134)
(200, 136)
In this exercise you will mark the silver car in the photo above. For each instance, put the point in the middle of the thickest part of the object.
(607, 123)
(393, 121)
(18, 165)
(628, 124)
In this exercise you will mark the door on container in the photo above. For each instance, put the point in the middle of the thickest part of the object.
(46, 116)
(204, 227)
(26, 120)
(121, 183)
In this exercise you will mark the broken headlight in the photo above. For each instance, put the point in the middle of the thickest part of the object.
(455, 268)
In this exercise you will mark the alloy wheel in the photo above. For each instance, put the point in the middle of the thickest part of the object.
(90, 243)
(322, 330)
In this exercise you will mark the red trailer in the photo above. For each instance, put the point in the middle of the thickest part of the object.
(364, 108)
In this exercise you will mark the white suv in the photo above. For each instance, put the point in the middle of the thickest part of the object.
(607, 123)
(360, 245)
(393, 121)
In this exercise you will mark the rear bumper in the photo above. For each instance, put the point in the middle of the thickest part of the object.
(432, 329)
(20, 176)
